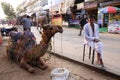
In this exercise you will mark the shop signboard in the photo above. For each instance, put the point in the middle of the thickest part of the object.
(90, 5)
(114, 27)
(57, 19)
(110, 2)
(80, 6)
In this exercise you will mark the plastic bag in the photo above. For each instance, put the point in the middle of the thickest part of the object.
(60, 74)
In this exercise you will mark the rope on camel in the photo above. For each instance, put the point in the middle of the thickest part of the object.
(60, 49)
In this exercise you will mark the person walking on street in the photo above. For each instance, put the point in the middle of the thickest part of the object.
(100, 23)
(26, 21)
(91, 36)
(69, 12)
(83, 21)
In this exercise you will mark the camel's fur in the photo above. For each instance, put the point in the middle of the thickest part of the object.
(27, 57)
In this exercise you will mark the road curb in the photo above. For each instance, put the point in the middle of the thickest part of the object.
(103, 71)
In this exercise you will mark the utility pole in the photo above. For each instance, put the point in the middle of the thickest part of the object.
(99, 15)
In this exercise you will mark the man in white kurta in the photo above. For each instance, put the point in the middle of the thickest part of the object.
(91, 36)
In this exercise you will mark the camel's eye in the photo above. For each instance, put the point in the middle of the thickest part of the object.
(51, 27)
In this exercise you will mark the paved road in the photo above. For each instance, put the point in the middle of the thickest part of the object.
(69, 44)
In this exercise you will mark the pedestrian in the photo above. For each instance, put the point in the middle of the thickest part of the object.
(83, 21)
(69, 12)
(100, 23)
(91, 35)
(30, 36)
(27, 23)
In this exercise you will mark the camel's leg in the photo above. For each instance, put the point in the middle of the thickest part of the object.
(41, 64)
(10, 54)
(26, 66)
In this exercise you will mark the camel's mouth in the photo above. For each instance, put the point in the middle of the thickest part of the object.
(60, 29)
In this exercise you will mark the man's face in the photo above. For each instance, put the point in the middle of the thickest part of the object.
(91, 20)
(85, 16)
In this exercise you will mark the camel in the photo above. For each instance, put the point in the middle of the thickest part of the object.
(26, 58)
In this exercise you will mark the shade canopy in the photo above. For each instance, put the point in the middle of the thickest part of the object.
(109, 9)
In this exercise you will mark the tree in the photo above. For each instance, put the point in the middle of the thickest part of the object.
(8, 10)
(19, 9)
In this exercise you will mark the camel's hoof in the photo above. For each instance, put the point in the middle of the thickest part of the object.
(31, 70)
(43, 67)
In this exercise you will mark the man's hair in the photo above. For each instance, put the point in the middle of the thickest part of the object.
(91, 17)
(28, 16)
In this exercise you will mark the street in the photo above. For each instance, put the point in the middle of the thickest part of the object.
(69, 44)
(60, 43)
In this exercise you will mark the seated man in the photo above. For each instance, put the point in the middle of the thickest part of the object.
(91, 35)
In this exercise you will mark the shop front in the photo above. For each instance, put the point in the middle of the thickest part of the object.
(91, 8)
(111, 17)
(56, 14)
(56, 19)
(114, 23)
(76, 11)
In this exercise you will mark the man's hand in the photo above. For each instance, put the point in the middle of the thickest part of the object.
(96, 40)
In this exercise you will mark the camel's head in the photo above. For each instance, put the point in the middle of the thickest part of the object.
(51, 30)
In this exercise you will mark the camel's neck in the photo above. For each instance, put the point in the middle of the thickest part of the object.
(41, 49)
(46, 38)
(43, 46)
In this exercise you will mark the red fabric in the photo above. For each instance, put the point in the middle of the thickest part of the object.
(111, 10)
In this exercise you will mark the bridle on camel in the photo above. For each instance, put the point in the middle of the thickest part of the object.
(61, 49)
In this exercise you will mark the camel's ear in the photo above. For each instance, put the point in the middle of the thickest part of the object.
(60, 29)
(47, 26)
(59, 26)
(44, 27)
(51, 27)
